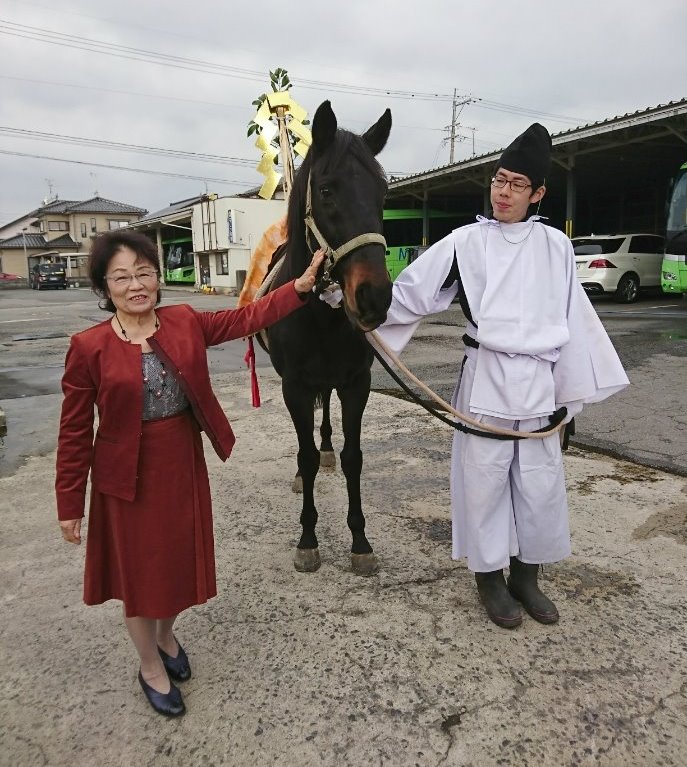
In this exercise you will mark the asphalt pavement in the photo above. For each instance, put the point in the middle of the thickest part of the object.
(402, 669)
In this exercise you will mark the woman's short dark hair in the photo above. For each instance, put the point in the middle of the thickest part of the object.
(104, 248)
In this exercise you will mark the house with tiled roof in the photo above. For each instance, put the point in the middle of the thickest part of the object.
(61, 230)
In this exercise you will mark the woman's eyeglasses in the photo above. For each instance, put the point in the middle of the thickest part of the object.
(123, 280)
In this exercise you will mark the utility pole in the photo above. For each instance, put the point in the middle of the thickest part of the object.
(453, 134)
(453, 127)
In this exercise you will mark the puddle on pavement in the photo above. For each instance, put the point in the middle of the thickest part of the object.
(436, 529)
(676, 336)
(40, 336)
(584, 581)
(12, 386)
(624, 474)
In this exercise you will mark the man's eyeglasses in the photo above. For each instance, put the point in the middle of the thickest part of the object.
(123, 280)
(517, 184)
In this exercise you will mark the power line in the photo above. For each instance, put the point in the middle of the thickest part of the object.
(121, 92)
(114, 145)
(141, 94)
(500, 107)
(198, 65)
(194, 65)
(132, 170)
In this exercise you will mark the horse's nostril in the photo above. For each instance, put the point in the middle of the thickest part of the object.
(372, 300)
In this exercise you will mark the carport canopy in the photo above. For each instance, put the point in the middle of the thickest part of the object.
(607, 177)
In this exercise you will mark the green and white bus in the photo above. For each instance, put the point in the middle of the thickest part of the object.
(403, 234)
(178, 257)
(674, 267)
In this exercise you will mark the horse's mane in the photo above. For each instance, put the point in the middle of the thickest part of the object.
(345, 144)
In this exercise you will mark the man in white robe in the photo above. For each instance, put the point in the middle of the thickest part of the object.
(533, 344)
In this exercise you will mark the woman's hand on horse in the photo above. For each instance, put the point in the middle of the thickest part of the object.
(306, 282)
(71, 530)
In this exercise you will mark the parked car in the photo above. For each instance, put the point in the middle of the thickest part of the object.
(620, 264)
(48, 276)
(5, 277)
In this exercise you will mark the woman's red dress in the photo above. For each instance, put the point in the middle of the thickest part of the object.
(156, 553)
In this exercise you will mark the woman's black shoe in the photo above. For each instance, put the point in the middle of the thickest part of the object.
(178, 668)
(171, 704)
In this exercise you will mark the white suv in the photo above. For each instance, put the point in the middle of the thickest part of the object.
(619, 263)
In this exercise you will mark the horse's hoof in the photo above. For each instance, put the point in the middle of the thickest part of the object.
(364, 564)
(307, 560)
(297, 484)
(327, 459)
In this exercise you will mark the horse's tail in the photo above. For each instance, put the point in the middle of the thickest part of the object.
(323, 398)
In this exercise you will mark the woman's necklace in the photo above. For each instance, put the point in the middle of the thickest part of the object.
(126, 337)
(157, 390)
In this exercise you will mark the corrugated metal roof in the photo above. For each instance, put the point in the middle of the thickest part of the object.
(590, 129)
(173, 209)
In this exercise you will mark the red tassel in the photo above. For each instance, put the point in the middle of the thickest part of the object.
(249, 359)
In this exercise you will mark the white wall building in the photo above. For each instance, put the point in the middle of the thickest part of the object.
(225, 232)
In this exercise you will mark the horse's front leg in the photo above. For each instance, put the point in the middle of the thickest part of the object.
(327, 457)
(300, 404)
(353, 400)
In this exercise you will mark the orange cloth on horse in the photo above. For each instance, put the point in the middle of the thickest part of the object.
(272, 238)
(156, 553)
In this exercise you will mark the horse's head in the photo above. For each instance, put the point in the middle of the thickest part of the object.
(347, 190)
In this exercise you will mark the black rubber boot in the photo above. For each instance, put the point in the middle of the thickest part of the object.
(499, 604)
(522, 584)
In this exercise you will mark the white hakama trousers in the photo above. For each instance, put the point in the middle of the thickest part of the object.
(507, 497)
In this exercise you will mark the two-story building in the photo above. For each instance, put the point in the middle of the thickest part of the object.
(61, 230)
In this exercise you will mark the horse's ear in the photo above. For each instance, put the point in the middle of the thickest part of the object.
(376, 136)
(323, 126)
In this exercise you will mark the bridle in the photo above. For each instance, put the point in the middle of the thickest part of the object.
(332, 255)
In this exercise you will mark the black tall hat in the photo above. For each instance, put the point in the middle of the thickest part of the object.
(529, 154)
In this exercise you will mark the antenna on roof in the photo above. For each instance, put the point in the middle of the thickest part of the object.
(94, 176)
(51, 197)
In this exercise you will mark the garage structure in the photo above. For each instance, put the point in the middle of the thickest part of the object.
(607, 177)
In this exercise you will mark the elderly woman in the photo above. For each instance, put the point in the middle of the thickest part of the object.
(150, 541)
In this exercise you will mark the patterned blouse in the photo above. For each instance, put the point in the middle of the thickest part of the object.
(162, 395)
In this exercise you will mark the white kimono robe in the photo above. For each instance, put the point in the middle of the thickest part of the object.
(541, 346)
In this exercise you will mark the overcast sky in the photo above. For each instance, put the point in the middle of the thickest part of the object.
(562, 64)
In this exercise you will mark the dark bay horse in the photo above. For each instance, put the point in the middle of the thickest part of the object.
(321, 349)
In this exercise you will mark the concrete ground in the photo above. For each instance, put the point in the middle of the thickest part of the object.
(402, 668)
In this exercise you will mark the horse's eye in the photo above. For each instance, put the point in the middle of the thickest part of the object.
(325, 192)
